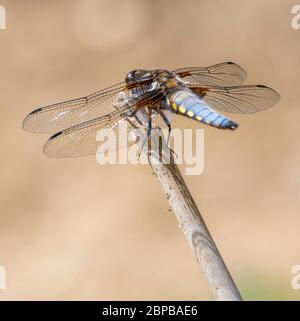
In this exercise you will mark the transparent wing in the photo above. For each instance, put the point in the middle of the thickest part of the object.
(238, 99)
(85, 139)
(223, 74)
(54, 118)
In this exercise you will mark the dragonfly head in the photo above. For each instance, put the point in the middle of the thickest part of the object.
(139, 75)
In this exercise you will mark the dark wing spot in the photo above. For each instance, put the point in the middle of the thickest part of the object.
(55, 135)
(35, 111)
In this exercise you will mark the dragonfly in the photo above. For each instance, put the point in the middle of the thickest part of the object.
(199, 93)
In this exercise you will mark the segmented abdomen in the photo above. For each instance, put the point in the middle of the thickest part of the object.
(187, 103)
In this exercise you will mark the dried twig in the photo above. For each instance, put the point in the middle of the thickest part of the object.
(193, 225)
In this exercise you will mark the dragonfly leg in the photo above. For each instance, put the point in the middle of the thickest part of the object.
(133, 114)
(149, 128)
(136, 117)
(148, 137)
(166, 120)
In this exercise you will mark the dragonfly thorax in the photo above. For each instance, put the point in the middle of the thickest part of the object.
(143, 81)
(142, 75)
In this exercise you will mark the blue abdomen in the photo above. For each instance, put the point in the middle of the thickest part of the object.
(187, 103)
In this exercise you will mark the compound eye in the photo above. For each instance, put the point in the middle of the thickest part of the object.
(130, 77)
(138, 75)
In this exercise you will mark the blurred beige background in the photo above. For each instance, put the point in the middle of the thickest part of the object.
(71, 229)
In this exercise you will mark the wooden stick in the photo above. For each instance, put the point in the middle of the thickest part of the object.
(196, 232)
(191, 222)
